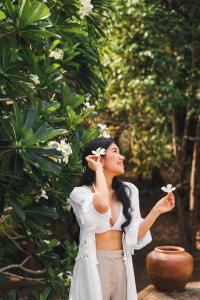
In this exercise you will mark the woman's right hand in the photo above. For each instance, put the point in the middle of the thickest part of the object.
(94, 162)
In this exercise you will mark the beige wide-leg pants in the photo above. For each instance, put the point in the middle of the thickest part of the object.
(112, 273)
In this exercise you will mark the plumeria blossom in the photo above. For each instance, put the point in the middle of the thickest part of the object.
(64, 148)
(88, 105)
(86, 8)
(104, 132)
(105, 135)
(99, 152)
(43, 194)
(57, 54)
(168, 189)
(102, 126)
(35, 79)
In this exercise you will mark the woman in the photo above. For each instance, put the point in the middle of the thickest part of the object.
(111, 227)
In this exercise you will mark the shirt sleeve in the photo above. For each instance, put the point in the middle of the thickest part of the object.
(131, 231)
(82, 203)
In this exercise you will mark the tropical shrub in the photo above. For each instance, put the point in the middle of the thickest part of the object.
(50, 81)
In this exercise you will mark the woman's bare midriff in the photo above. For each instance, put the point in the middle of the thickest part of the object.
(110, 240)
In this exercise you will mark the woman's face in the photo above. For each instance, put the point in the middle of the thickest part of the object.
(113, 161)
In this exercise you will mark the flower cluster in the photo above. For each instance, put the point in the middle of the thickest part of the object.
(104, 130)
(64, 148)
(168, 189)
(88, 105)
(86, 8)
(43, 194)
(57, 54)
(35, 79)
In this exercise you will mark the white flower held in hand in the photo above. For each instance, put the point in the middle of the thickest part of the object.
(168, 189)
(99, 152)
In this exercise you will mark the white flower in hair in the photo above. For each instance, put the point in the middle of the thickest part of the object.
(168, 188)
(99, 152)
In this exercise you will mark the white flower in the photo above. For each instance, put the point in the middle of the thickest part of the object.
(47, 242)
(86, 8)
(35, 79)
(105, 135)
(88, 105)
(99, 152)
(69, 277)
(103, 129)
(57, 54)
(68, 206)
(60, 275)
(168, 188)
(43, 194)
(64, 148)
(102, 126)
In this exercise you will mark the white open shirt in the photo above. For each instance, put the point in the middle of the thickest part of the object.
(86, 283)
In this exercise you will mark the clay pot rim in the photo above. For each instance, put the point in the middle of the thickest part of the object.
(169, 249)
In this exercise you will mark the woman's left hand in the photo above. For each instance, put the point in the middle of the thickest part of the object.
(165, 204)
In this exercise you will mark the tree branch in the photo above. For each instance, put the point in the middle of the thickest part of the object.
(14, 242)
(7, 34)
(21, 266)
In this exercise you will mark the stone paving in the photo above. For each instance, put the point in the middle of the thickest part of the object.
(191, 292)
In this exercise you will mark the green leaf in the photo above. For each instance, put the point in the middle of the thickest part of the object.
(10, 9)
(30, 119)
(18, 209)
(31, 12)
(52, 68)
(7, 128)
(74, 28)
(38, 33)
(46, 163)
(18, 122)
(42, 211)
(16, 165)
(70, 99)
(2, 15)
(45, 133)
(54, 44)
(28, 138)
(53, 107)
(45, 151)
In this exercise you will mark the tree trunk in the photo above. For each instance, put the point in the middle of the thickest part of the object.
(180, 172)
(194, 185)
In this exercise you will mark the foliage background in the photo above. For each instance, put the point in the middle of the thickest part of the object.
(50, 81)
(152, 92)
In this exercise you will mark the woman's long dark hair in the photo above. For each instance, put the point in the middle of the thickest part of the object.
(88, 178)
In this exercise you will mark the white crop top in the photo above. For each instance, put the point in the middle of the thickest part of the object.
(86, 214)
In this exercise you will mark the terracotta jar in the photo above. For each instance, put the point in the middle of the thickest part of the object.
(169, 267)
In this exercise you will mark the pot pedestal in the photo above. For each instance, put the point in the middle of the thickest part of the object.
(191, 292)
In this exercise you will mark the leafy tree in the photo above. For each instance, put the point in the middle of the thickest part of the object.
(153, 90)
(50, 75)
